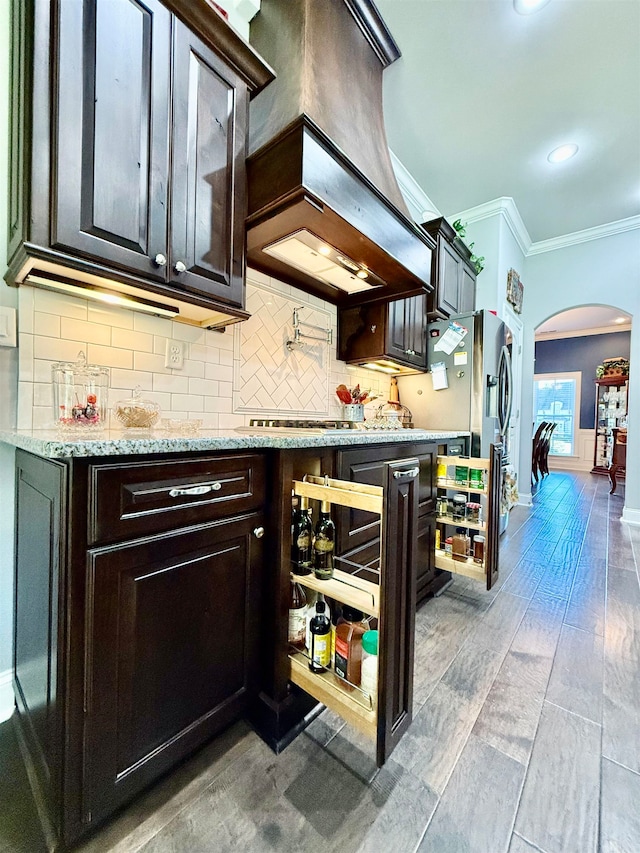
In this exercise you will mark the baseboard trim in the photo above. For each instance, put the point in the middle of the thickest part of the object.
(525, 499)
(7, 699)
(631, 516)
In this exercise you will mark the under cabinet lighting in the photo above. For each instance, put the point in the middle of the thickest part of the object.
(100, 294)
(306, 252)
(384, 365)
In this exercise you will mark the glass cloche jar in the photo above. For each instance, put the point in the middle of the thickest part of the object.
(80, 394)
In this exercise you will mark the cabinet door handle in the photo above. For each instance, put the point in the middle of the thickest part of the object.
(258, 532)
(180, 267)
(195, 490)
(409, 474)
(160, 260)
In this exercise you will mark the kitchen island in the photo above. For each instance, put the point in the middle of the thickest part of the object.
(152, 587)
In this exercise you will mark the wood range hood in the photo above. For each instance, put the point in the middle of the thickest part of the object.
(325, 211)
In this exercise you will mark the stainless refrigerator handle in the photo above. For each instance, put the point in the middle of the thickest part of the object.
(506, 389)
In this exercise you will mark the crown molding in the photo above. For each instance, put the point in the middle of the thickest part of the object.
(505, 207)
(582, 333)
(417, 200)
(607, 230)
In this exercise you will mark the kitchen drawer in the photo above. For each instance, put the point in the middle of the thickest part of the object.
(132, 499)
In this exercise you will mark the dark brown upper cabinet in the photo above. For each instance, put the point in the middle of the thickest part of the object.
(137, 125)
(391, 333)
(452, 273)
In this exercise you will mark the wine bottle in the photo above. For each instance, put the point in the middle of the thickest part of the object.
(324, 543)
(297, 615)
(302, 539)
(320, 651)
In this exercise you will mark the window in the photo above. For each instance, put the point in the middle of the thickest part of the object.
(556, 398)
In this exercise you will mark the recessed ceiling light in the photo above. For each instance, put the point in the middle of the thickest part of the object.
(563, 152)
(620, 320)
(527, 7)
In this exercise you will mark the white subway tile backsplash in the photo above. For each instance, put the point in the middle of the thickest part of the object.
(152, 325)
(48, 325)
(131, 379)
(95, 333)
(133, 340)
(227, 376)
(56, 349)
(42, 370)
(172, 383)
(227, 421)
(200, 352)
(206, 387)
(42, 417)
(193, 369)
(149, 361)
(108, 315)
(25, 309)
(109, 356)
(25, 357)
(190, 402)
(25, 405)
(43, 394)
(218, 404)
(189, 334)
(59, 304)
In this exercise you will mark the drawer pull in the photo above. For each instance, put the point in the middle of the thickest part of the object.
(195, 490)
(258, 532)
(409, 474)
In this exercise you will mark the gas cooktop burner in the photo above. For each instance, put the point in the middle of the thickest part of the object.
(300, 424)
(261, 426)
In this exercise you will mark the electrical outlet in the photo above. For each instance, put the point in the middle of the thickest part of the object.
(174, 355)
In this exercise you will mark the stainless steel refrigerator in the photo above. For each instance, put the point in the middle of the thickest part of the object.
(470, 354)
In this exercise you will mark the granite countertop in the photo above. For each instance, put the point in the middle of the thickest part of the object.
(54, 445)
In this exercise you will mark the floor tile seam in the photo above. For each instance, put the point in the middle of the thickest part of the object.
(528, 841)
(620, 764)
(189, 804)
(574, 713)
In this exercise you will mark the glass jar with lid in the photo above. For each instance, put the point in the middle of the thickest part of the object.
(79, 394)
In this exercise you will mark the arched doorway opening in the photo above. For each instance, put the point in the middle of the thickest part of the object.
(581, 379)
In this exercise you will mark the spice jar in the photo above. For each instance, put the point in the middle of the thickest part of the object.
(476, 478)
(478, 549)
(460, 545)
(448, 545)
(459, 507)
(473, 512)
(442, 507)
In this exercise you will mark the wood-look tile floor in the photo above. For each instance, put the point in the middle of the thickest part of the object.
(526, 730)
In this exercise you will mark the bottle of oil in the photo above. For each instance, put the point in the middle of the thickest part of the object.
(302, 539)
(297, 615)
(320, 651)
(324, 544)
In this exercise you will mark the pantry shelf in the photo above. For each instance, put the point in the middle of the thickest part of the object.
(326, 689)
(454, 522)
(346, 588)
(468, 567)
(451, 484)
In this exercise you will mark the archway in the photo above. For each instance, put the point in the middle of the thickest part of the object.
(581, 384)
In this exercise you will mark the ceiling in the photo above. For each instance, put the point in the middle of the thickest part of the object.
(482, 94)
(590, 318)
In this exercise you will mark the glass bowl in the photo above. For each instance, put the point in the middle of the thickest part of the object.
(136, 413)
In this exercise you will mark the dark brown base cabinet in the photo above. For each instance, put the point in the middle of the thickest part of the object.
(151, 609)
(358, 532)
(131, 649)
